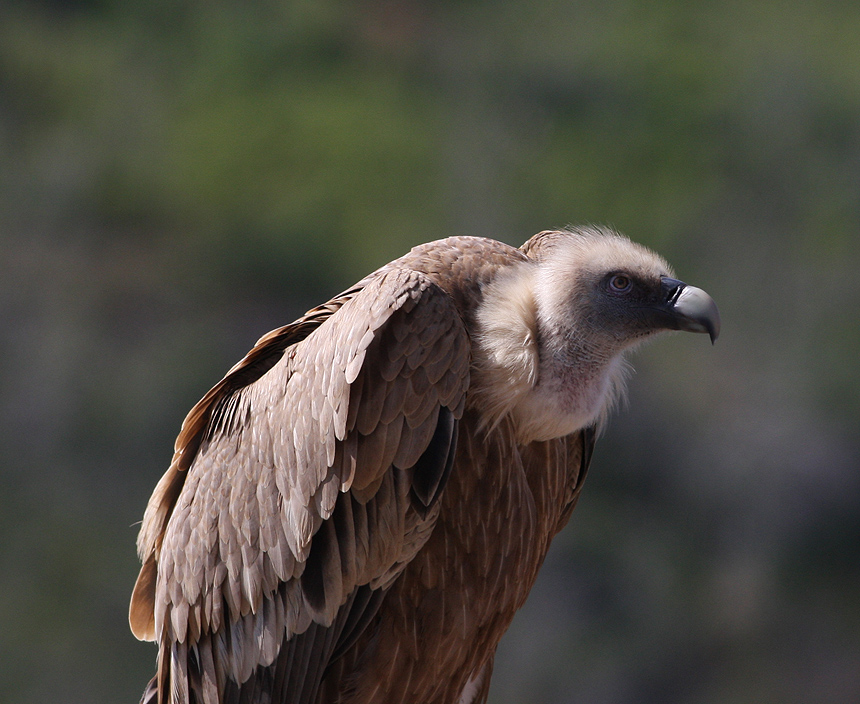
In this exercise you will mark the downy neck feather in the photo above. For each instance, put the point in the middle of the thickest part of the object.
(550, 382)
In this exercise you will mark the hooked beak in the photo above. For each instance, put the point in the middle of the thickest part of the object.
(689, 308)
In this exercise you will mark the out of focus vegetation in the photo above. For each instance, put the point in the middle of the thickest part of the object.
(177, 178)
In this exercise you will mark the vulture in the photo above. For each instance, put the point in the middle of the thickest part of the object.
(355, 512)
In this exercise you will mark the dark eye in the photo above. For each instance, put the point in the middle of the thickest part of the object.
(619, 283)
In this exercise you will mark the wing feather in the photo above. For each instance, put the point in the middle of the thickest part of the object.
(292, 487)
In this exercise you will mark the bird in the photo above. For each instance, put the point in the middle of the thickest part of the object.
(356, 511)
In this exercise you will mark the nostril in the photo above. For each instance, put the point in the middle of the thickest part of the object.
(674, 294)
(672, 289)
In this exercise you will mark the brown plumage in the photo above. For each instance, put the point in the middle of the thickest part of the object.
(356, 511)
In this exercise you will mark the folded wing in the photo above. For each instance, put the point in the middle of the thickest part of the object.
(301, 486)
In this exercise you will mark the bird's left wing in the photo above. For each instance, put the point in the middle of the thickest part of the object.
(300, 487)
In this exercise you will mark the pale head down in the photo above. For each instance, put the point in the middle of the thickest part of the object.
(552, 333)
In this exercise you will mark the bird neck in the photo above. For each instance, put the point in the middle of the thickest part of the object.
(549, 380)
(578, 384)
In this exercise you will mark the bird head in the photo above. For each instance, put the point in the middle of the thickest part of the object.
(598, 285)
(553, 332)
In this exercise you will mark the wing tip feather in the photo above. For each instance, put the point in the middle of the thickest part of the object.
(141, 612)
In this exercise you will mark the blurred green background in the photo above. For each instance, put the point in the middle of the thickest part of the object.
(177, 178)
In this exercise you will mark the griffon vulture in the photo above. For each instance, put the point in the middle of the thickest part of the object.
(357, 509)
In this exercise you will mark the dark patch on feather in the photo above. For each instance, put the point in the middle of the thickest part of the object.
(297, 673)
(313, 578)
(431, 471)
(588, 438)
(365, 605)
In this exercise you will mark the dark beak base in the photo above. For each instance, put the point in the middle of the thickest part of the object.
(690, 309)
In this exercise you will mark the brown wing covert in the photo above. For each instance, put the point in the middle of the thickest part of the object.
(309, 485)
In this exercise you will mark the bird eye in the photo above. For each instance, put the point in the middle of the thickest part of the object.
(620, 283)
